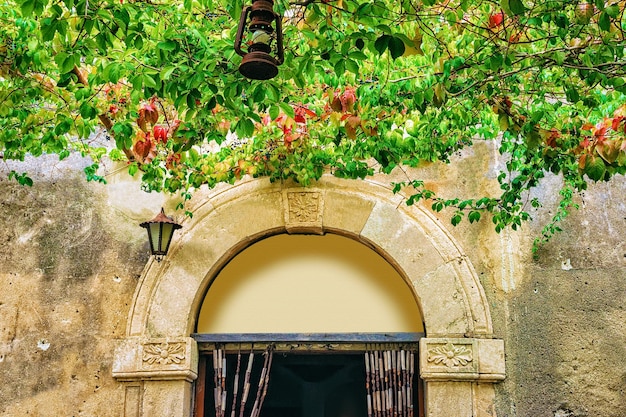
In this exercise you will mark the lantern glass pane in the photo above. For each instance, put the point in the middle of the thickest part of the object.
(167, 231)
(153, 235)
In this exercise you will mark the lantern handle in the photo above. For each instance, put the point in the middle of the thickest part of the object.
(240, 29)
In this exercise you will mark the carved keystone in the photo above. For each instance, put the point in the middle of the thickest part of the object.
(303, 211)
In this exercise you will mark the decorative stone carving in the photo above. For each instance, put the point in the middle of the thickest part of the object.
(303, 206)
(303, 211)
(138, 359)
(450, 355)
(461, 359)
(164, 353)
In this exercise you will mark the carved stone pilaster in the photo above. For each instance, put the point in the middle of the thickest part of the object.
(457, 359)
(156, 359)
(303, 211)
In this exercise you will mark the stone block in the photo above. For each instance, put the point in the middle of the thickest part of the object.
(303, 211)
(346, 212)
(442, 302)
(138, 359)
(449, 399)
(462, 359)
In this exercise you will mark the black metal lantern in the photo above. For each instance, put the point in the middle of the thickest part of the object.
(160, 232)
(258, 63)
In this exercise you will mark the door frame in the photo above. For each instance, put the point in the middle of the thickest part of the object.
(304, 343)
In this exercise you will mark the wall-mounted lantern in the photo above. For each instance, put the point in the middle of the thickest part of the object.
(160, 232)
(258, 63)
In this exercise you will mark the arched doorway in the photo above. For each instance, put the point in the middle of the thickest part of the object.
(459, 358)
(330, 309)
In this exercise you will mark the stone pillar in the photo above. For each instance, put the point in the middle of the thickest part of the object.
(459, 374)
(158, 374)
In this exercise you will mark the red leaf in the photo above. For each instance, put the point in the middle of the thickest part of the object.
(148, 113)
(348, 98)
(143, 148)
(352, 123)
(496, 19)
(600, 133)
(160, 133)
(585, 143)
(301, 114)
(335, 104)
(552, 137)
(173, 127)
(172, 160)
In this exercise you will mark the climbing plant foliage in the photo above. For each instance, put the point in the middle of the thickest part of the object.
(366, 86)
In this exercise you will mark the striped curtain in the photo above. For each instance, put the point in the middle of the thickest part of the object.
(243, 387)
(389, 383)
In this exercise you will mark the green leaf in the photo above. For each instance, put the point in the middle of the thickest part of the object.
(595, 168)
(559, 57)
(27, 8)
(357, 56)
(148, 81)
(561, 20)
(450, 17)
(245, 128)
(613, 11)
(274, 112)
(287, 109)
(517, 7)
(132, 169)
(604, 22)
(381, 44)
(396, 47)
(166, 72)
(474, 216)
(87, 111)
(168, 45)
(48, 29)
(352, 66)
(572, 95)
(340, 67)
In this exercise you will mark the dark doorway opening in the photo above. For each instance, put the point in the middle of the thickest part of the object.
(301, 385)
(310, 375)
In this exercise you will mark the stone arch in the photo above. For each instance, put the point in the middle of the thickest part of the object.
(454, 308)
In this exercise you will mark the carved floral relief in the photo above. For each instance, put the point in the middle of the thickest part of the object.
(450, 355)
(303, 206)
(164, 353)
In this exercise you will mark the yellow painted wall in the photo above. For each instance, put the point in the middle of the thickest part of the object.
(309, 283)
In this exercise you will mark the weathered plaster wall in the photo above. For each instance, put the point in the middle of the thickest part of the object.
(565, 320)
(563, 314)
(66, 281)
(71, 253)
